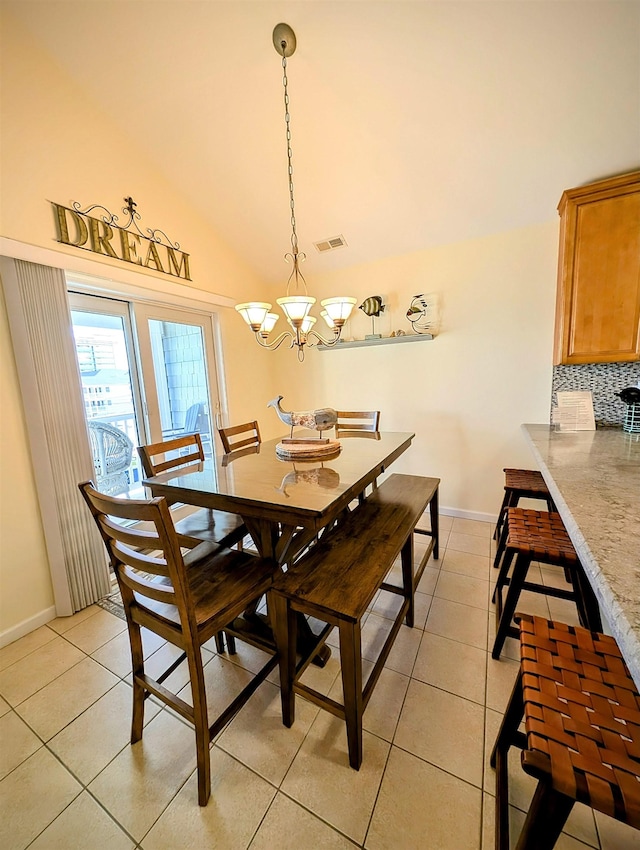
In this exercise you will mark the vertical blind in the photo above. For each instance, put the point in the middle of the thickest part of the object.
(42, 334)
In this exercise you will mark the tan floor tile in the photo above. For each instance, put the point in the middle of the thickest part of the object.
(88, 744)
(84, 823)
(286, 822)
(468, 564)
(463, 589)
(501, 676)
(223, 681)
(387, 604)
(13, 652)
(443, 729)
(476, 528)
(247, 656)
(160, 660)
(615, 835)
(452, 666)
(115, 654)
(63, 624)
(31, 796)
(403, 653)
(4, 707)
(383, 710)
(17, 743)
(421, 606)
(258, 738)
(492, 722)
(95, 631)
(564, 611)
(239, 801)
(139, 783)
(422, 806)
(470, 543)
(458, 622)
(445, 522)
(321, 780)
(61, 701)
(37, 669)
(428, 581)
(565, 842)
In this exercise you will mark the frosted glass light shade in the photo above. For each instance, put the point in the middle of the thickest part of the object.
(307, 323)
(269, 321)
(254, 313)
(339, 308)
(296, 307)
(328, 319)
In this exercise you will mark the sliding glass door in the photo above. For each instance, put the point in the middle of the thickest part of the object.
(148, 374)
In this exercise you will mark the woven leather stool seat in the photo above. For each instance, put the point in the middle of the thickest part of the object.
(521, 484)
(541, 534)
(582, 718)
(538, 536)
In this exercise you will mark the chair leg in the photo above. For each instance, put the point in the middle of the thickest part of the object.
(201, 723)
(285, 632)
(220, 641)
(351, 662)
(408, 580)
(137, 718)
(504, 615)
(546, 818)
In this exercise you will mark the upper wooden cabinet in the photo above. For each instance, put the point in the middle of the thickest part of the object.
(598, 300)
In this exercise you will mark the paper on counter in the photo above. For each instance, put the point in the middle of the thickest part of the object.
(574, 411)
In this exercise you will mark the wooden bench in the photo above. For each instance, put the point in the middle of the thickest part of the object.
(336, 581)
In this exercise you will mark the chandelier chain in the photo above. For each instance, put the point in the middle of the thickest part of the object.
(287, 119)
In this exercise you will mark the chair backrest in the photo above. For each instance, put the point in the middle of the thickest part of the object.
(358, 420)
(112, 449)
(158, 579)
(247, 434)
(171, 454)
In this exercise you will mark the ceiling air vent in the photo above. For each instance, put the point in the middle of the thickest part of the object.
(331, 244)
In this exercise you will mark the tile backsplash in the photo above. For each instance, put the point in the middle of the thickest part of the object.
(603, 380)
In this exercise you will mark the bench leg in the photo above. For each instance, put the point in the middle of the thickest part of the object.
(351, 662)
(408, 579)
(285, 623)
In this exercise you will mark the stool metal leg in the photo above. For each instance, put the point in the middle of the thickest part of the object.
(499, 761)
(546, 818)
(504, 614)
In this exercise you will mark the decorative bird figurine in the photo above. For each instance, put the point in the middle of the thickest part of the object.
(317, 420)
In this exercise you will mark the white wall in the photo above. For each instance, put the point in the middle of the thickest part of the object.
(56, 146)
(466, 393)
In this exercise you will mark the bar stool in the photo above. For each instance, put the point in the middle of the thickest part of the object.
(581, 711)
(539, 536)
(521, 484)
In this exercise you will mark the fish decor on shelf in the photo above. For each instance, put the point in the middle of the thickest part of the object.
(317, 420)
(372, 306)
(417, 315)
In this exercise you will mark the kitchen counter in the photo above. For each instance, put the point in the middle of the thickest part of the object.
(594, 478)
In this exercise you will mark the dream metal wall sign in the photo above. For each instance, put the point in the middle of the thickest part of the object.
(106, 236)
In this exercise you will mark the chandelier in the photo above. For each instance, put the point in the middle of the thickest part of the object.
(296, 306)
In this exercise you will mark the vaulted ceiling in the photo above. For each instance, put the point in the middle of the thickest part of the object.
(414, 124)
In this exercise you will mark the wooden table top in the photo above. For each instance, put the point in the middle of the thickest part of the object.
(305, 493)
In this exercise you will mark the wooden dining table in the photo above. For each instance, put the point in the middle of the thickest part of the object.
(284, 504)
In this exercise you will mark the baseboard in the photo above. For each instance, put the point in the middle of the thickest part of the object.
(26, 626)
(479, 517)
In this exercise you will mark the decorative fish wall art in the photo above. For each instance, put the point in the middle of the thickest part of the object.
(418, 316)
(372, 306)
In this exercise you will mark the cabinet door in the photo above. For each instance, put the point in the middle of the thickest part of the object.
(598, 309)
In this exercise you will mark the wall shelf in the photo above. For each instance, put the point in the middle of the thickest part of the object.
(387, 340)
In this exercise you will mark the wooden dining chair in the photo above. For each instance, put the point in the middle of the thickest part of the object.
(239, 436)
(215, 526)
(185, 599)
(357, 420)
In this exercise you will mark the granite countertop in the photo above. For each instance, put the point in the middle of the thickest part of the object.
(594, 478)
